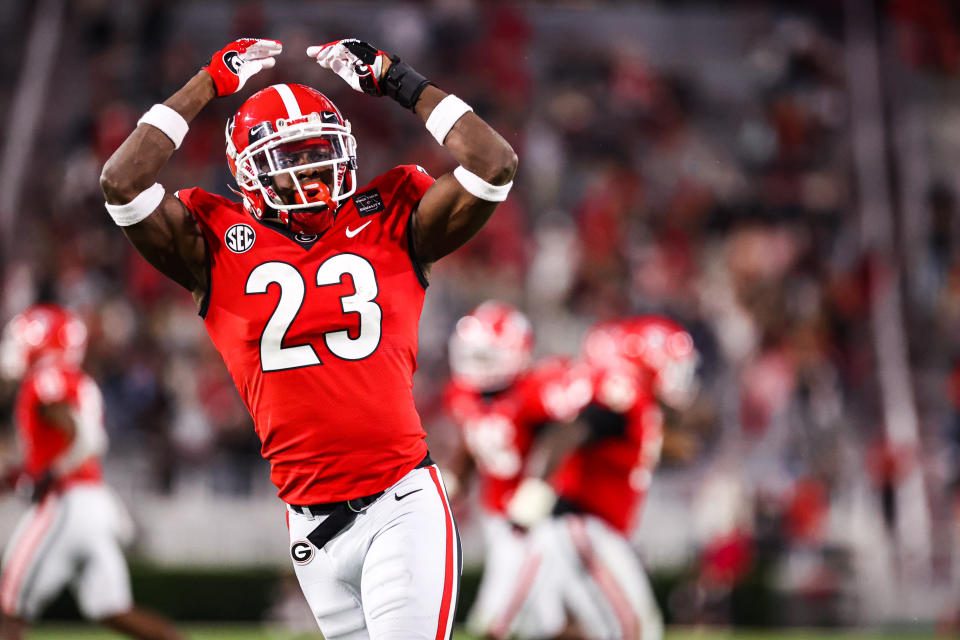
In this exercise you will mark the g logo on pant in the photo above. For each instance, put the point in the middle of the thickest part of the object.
(301, 551)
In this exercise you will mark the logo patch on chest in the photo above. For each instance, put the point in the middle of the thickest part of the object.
(368, 203)
(240, 238)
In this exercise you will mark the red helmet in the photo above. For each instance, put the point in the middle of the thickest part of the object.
(42, 332)
(294, 133)
(655, 344)
(490, 346)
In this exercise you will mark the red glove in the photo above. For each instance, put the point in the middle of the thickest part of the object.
(233, 65)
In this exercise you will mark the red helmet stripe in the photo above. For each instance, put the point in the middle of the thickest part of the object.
(289, 100)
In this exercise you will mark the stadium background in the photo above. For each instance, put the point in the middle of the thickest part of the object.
(781, 179)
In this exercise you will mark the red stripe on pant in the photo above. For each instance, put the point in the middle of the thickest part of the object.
(22, 557)
(604, 578)
(501, 628)
(443, 624)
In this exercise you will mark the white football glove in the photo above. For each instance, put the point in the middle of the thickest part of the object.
(531, 503)
(358, 63)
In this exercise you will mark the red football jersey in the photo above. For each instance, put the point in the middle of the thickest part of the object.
(320, 336)
(609, 475)
(498, 429)
(42, 442)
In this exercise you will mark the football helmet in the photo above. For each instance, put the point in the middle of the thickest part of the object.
(490, 346)
(41, 333)
(293, 157)
(656, 345)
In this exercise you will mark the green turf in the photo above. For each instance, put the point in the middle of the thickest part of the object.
(80, 632)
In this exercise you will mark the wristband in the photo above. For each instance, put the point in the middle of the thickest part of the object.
(168, 121)
(403, 83)
(139, 208)
(445, 115)
(480, 188)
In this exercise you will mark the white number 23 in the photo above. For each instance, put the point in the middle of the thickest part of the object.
(276, 357)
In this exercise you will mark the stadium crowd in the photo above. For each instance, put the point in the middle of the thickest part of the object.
(715, 192)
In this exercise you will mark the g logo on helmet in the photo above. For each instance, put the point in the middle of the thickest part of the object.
(232, 60)
(301, 551)
(240, 238)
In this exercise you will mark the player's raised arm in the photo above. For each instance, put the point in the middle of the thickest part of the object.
(158, 224)
(458, 204)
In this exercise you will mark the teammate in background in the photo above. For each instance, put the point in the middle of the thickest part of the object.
(73, 533)
(599, 486)
(311, 289)
(500, 403)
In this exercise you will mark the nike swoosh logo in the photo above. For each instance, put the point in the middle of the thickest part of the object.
(401, 497)
(353, 232)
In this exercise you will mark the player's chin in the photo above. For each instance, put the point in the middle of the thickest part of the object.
(311, 220)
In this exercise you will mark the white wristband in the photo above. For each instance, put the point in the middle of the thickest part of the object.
(167, 120)
(445, 115)
(480, 188)
(139, 208)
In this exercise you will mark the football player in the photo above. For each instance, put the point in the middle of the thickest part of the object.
(500, 403)
(73, 533)
(599, 485)
(311, 289)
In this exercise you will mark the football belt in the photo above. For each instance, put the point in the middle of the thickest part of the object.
(340, 514)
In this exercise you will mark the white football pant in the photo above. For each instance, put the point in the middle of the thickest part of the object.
(512, 600)
(596, 576)
(391, 574)
(69, 539)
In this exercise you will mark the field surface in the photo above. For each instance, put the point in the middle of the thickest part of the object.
(260, 633)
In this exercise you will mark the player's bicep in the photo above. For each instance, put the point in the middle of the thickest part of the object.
(446, 218)
(171, 240)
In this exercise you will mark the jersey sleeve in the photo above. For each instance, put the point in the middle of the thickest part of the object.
(401, 190)
(398, 192)
(202, 205)
(417, 183)
(622, 393)
(51, 386)
(558, 390)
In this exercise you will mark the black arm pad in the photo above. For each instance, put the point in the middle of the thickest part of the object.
(403, 83)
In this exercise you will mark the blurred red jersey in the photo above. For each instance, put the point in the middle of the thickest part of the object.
(42, 442)
(609, 474)
(320, 336)
(499, 429)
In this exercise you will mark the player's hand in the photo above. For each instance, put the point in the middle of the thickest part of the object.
(531, 503)
(360, 64)
(233, 65)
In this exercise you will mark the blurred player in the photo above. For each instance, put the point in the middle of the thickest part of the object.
(72, 535)
(597, 490)
(500, 403)
(311, 289)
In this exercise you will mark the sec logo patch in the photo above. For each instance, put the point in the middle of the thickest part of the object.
(301, 551)
(240, 238)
